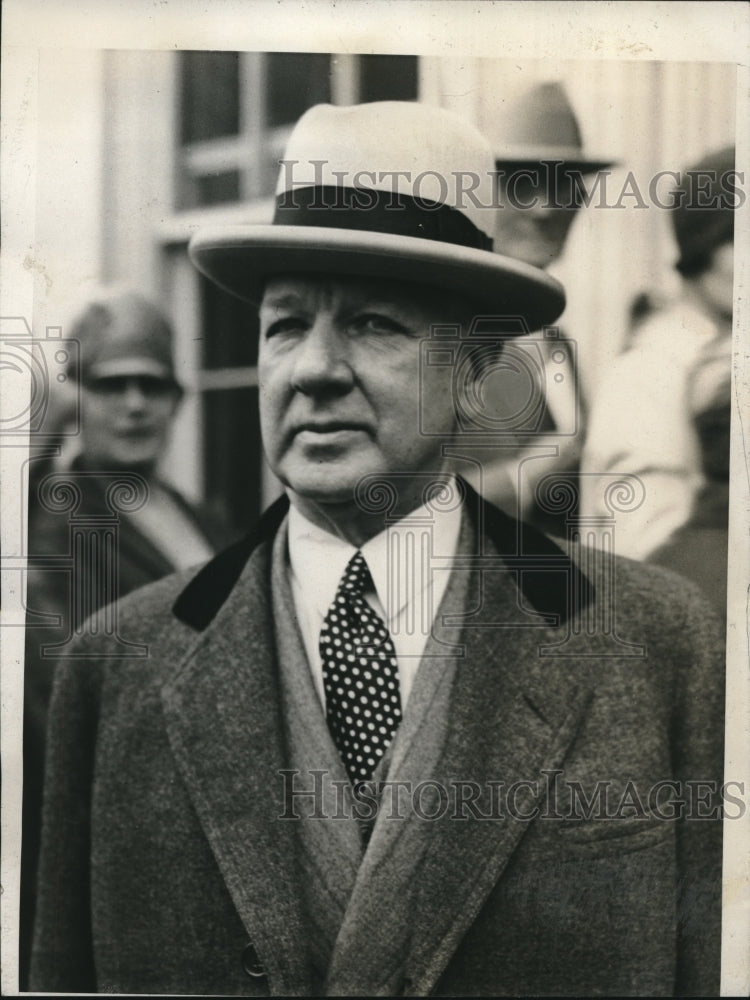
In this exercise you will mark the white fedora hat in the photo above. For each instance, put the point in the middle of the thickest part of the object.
(393, 190)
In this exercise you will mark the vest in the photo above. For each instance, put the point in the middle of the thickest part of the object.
(347, 886)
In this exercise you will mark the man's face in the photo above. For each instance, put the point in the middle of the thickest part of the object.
(125, 420)
(716, 283)
(339, 376)
(530, 227)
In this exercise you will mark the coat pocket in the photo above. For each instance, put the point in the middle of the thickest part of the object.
(598, 838)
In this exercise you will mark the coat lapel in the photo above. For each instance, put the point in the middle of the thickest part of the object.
(222, 709)
(513, 716)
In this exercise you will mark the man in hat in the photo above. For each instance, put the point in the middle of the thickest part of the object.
(372, 751)
(541, 182)
(662, 412)
(541, 166)
(128, 395)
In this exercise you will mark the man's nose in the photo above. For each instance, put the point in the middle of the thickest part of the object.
(322, 361)
(545, 206)
(134, 397)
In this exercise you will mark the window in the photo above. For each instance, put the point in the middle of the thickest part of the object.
(388, 78)
(237, 110)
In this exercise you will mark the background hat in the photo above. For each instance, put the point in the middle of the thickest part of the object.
(123, 333)
(703, 210)
(540, 125)
(393, 190)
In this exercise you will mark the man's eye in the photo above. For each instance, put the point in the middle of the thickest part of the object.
(287, 324)
(377, 323)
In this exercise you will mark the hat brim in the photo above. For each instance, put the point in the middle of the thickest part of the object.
(241, 258)
(570, 157)
(130, 367)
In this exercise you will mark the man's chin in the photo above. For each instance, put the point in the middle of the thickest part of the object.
(326, 479)
(330, 493)
(131, 461)
(541, 254)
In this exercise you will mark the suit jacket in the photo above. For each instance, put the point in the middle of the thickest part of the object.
(168, 867)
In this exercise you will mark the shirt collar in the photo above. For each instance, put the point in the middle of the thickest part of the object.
(318, 558)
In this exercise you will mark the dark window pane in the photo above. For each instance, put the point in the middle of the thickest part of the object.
(268, 173)
(210, 87)
(232, 452)
(296, 81)
(230, 329)
(388, 78)
(213, 189)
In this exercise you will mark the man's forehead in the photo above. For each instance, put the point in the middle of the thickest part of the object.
(553, 179)
(327, 289)
(328, 286)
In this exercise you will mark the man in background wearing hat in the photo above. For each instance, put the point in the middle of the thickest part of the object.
(541, 169)
(662, 412)
(128, 397)
(336, 772)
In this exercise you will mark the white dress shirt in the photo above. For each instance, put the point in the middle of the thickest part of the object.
(642, 423)
(407, 591)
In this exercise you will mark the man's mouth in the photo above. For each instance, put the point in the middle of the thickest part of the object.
(330, 426)
(136, 433)
(328, 431)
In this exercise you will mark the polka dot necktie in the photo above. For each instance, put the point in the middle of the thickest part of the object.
(360, 675)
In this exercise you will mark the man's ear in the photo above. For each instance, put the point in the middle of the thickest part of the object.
(484, 358)
(467, 387)
(177, 398)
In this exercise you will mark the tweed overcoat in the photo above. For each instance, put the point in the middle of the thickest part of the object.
(167, 865)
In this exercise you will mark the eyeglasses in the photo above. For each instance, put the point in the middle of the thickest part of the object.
(149, 386)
